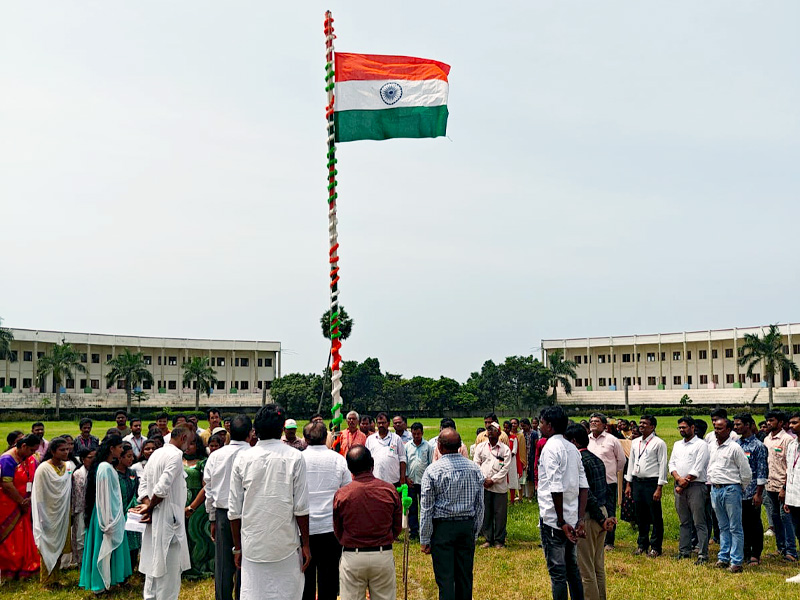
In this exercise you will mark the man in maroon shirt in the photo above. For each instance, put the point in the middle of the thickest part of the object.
(367, 517)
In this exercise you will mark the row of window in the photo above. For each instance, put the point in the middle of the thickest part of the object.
(676, 355)
(171, 384)
(676, 380)
(216, 361)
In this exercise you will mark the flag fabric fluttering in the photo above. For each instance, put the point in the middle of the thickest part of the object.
(378, 97)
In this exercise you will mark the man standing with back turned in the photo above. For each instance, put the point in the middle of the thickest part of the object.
(268, 512)
(452, 514)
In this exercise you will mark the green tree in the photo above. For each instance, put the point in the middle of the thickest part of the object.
(129, 366)
(489, 384)
(441, 394)
(6, 354)
(525, 381)
(297, 392)
(560, 371)
(768, 349)
(62, 363)
(199, 371)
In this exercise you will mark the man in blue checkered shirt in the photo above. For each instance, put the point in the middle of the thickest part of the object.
(451, 517)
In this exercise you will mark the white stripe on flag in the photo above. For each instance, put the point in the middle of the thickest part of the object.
(366, 94)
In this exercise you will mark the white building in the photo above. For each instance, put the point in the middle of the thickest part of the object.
(242, 367)
(673, 363)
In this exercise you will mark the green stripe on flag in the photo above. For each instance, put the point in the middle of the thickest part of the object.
(402, 122)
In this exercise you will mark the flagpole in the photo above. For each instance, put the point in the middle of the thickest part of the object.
(333, 253)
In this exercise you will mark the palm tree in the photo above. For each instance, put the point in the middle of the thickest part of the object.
(6, 337)
(560, 371)
(345, 324)
(345, 329)
(769, 349)
(197, 369)
(131, 367)
(61, 363)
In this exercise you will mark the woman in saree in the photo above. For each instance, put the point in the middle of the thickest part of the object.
(198, 528)
(18, 556)
(50, 502)
(106, 557)
(129, 486)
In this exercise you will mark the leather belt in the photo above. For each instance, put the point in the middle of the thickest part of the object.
(371, 549)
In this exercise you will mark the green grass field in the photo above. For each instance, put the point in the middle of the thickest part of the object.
(518, 572)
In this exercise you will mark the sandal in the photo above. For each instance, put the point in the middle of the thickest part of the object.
(754, 562)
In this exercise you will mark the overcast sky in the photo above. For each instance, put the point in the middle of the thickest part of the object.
(610, 168)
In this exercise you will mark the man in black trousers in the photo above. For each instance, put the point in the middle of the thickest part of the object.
(451, 517)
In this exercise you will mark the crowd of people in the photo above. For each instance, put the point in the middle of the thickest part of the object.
(189, 502)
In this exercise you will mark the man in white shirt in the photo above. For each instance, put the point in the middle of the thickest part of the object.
(718, 413)
(135, 437)
(792, 498)
(493, 458)
(608, 449)
(326, 472)
(728, 473)
(388, 452)
(217, 477)
(647, 474)
(268, 512)
(563, 493)
(162, 491)
(688, 465)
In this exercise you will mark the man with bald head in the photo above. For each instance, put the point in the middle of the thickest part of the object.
(451, 517)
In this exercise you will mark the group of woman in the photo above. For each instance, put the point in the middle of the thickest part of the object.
(61, 510)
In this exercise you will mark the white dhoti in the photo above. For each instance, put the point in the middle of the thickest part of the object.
(281, 580)
(168, 586)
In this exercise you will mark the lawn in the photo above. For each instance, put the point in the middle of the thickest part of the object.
(519, 571)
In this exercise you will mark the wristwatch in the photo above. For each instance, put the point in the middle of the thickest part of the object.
(560, 523)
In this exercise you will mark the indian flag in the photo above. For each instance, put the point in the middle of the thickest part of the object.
(378, 97)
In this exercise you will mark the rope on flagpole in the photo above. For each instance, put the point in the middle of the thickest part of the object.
(333, 253)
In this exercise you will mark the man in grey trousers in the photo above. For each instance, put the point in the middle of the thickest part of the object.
(688, 465)
(217, 477)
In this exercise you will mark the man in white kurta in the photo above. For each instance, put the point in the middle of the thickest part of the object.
(162, 490)
(268, 511)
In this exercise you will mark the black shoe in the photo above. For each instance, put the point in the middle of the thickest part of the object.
(701, 560)
(683, 556)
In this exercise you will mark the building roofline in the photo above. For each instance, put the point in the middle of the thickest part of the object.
(143, 337)
(606, 337)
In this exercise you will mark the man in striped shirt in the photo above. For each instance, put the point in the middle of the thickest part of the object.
(452, 515)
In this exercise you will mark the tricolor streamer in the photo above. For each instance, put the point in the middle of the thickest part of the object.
(333, 253)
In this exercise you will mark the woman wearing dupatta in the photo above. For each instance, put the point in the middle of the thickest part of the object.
(18, 555)
(129, 486)
(106, 557)
(50, 501)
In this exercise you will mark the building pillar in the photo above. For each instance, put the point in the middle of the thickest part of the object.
(685, 362)
(88, 365)
(611, 349)
(660, 366)
(636, 362)
(36, 365)
(736, 382)
(163, 378)
(710, 363)
(589, 365)
(254, 369)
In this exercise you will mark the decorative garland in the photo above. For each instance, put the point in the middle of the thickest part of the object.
(333, 254)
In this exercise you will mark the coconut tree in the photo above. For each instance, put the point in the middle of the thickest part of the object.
(6, 354)
(130, 367)
(560, 371)
(197, 369)
(769, 349)
(61, 363)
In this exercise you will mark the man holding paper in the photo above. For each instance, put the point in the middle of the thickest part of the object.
(162, 491)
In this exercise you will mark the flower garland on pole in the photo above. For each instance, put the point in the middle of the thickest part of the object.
(333, 238)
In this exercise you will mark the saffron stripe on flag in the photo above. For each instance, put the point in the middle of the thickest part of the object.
(404, 122)
(379, 66)
(369, 95)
